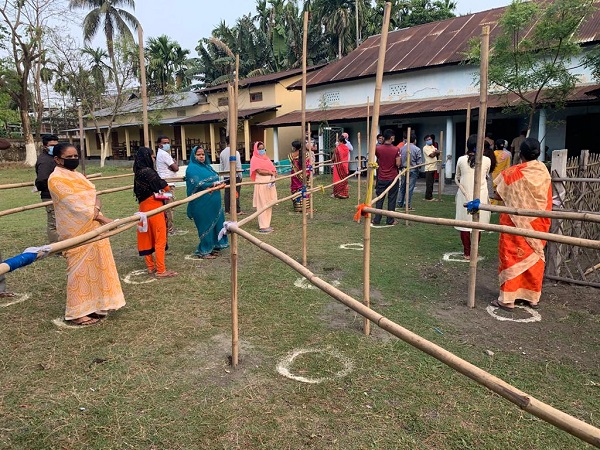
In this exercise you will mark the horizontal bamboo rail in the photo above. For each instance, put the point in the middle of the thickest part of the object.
(571, 281)
(587, 243)
(586, 217)
(19, 209)
(556, 417)
(32, 183)
(576, 180)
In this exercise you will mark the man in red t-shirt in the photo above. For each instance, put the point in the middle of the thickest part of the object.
(388, 159)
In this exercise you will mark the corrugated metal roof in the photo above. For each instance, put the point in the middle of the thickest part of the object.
(428, 45)
(170, 101)
(431, 106)
(123, 125)
(222, 115)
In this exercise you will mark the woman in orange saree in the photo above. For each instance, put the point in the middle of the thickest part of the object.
(93, 286)
(521, 260)
(340, 169)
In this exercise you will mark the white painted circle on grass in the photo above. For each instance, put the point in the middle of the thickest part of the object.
(192, 257)
(60, 322)
(357, 246)
(137, 273)
(381, 226)
(535, 316)
(283, 367)
(18, 298)
(179, 233)
(459, 257)
(303, 283)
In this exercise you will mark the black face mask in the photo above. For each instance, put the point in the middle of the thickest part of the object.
(71, 164)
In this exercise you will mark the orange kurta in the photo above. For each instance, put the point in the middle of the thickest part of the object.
(522, 260)
(92, 279)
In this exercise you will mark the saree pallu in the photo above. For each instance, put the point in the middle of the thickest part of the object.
(206, 211)
(522, 260)
(340, 171)
(502, 163)
(92, 279)
(296, 183)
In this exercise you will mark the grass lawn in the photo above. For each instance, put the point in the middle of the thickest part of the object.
(155, 374)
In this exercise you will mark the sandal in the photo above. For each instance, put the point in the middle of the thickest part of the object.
(7, 295)
(84, 321)
(96, 315)
(151, 271)
(527, 303)
(502, 306)
(265, 230)
(166, 274)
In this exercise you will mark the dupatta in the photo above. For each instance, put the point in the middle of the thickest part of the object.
(261, 162)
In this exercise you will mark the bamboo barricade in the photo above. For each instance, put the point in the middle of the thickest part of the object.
(303, 149)
(19, 209)
(576, 180)
(468, 125)
(359, 166)
(389, 188)
(556, 417)
(441, 175)
(95, 176)
(233, 114)
(371, 162)
(143, 86)
(102, 231)
(483, 87)
(407, 177)
(561, 239)
(312, 172)
(586, 217)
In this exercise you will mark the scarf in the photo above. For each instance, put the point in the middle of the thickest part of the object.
(261, 162)
(146, 181)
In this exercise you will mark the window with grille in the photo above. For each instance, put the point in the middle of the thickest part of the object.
(223, 101)
(256, 97)
(398, 90)
(331, 98)
(181, 113)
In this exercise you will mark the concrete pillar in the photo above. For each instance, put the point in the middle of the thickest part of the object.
(276, 144)
(449, 146)
(183, 144)
(213, 143)
(127, 143)
(247, 139)
(542, 134)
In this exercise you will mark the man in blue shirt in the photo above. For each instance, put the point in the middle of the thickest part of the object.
(416, 158)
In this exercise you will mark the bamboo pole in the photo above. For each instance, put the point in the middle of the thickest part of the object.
(143, 87)
(483, 87)
(407, 176)
(96, 176)
(561, 239)
(556, 417)
(585, 217)
(468, 126)
(358, 167)
(312, 173)
(233, 208)
(81, 137)
(577, 180)
(303, 128)
(371, 161)
(19, 209)
(441, 175)
(368, 129)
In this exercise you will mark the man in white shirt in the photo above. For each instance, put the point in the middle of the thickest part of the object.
(166, 168)
(349, 145)
(224, 167)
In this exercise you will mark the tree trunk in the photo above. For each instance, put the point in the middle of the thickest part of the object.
(30, 151)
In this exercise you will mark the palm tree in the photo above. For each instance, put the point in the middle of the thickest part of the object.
(98, 65)
(114, 21)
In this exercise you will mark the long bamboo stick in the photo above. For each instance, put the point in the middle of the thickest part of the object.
(407, 178)
(576, 180)
(441, 174)
(371, 161)
(358, 167)
(144, 87)
(483, 88)
(468, 126)
(233, 113)
(95, 176)
(561, 239)
(303, 128)
(585, 217)
(556, 417)
(312, 173)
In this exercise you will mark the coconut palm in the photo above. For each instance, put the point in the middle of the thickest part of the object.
(113, 20)
(98, 67)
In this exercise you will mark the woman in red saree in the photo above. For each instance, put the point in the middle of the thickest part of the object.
(340, 169)
(521, 260)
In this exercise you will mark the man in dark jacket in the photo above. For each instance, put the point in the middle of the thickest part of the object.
(43, 168)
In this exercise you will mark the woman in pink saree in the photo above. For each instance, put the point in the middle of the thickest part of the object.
(263, 171)
(340, 169)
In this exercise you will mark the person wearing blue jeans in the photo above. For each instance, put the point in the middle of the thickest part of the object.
(416, 158)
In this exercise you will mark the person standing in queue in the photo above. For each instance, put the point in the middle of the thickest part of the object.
(166, 168)
(44, 166)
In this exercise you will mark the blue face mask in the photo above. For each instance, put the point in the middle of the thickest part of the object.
(429, 142)
(166, 147)
(262, 152)
(51, 150)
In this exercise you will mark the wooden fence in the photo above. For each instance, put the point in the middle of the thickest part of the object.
(576, 187)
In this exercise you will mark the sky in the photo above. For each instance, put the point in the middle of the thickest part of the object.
(186, 21)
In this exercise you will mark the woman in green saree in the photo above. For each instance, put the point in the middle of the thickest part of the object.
(206, 211)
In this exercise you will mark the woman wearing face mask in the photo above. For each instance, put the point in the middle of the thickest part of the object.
(147, 187)
(431, 157)
(340, 169)
(263, 171)
(206, 211)
(93, 286)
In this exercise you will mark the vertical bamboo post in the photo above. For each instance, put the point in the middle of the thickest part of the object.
(407, 176)
(468, 126)
(371, 159)
(368, 129)
(81, 137)
(312, 173)
(440, 169)
(483, 87)
(143, 86)
(303, 156)
(233, 208)
(358, 167)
